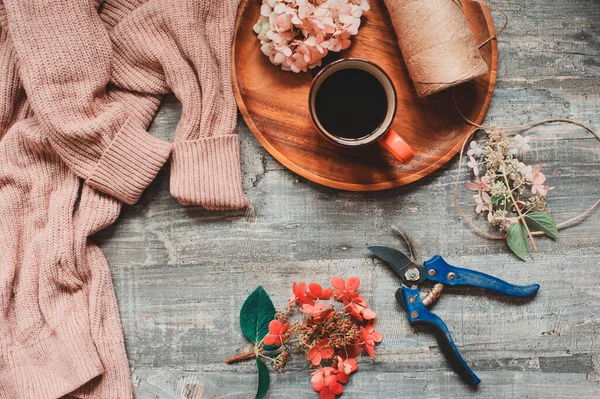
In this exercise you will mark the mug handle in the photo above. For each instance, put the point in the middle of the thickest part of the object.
(395, 144)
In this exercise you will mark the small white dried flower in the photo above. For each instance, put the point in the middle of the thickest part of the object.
(474, 149)
(521, 143)
(473, 165)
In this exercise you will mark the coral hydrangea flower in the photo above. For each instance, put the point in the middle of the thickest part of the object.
(317, 311)
(345, 290)
(299, 295)
(357, 308)
(325, 382)
(320, 351)
(353, 350)
(315, 291)
(345, 368)
(277, 333)
(370, 338)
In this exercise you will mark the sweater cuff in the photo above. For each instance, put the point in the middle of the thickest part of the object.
(207, 172)
(129, 164)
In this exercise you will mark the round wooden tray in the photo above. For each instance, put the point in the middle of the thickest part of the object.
(274, 104)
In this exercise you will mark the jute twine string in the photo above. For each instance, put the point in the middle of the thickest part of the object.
(437, 44)
(513, 130)
(495, 35)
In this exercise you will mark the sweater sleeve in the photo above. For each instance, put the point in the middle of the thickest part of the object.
(184, 46)
(64, 54)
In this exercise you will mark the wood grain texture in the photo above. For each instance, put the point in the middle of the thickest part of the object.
(274, 104)
(182, 274)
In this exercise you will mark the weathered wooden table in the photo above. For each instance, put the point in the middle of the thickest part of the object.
(182, 274)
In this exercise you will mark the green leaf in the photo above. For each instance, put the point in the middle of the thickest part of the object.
(516, 238)
(263, 379)
(541, 221)
(256, 314)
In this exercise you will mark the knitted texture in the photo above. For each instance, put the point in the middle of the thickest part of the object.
(80, 81)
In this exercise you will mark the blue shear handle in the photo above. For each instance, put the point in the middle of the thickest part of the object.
(440, 271)
(419, 314)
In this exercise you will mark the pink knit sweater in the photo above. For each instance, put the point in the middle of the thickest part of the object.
(80, 80)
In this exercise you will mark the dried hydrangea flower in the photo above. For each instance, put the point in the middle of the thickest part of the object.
(521, 143)
(474, 149)
(473, 165)
(511, 192)
(298, 34)
(336, 326)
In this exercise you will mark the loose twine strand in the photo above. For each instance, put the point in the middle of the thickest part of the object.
(496, 34)
(514, 129)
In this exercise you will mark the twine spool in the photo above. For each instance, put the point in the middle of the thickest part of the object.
(436, 42)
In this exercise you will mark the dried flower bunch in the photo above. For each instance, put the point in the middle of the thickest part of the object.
(298, 34)
(512, 193)
(336, 326)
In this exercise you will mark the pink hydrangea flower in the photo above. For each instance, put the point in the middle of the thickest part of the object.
(298, 34)
(479, 185)
(537, 182)
(473, 165)
(483, 201)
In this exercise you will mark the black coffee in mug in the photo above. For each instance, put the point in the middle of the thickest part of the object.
(351, 104)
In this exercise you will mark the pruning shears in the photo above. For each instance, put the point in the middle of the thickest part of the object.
(437, 270)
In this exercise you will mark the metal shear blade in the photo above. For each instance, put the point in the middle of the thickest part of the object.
(409, 272)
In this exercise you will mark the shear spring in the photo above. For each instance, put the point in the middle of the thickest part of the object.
(433, 294)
